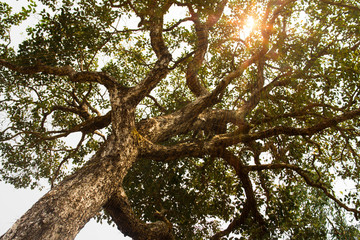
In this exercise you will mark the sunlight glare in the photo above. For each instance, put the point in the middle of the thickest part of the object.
(248, 27)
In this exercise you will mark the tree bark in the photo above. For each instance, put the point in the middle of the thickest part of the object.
(65, 209)
(130, 225)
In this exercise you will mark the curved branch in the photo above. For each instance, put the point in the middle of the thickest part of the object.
(218, 142)
(56, 173)
(304, 174)
(177, 24)
(79, 111)
(130, 225)
(163, 127)
(68, 71)
(326, 123)
(250, 203)
(255, 94)
(88, 126)
(181, 59)
(241, 172)
(232, 138)
(157, 104)
(190, 118)
(57, 71)
(305, 111)
(173, 123)
(202, 33)
(160, 70)
(236, 222)
(219, 90)
(157, 40)
(158, 73)
(194, 65)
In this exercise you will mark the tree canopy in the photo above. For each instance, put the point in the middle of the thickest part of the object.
(184, 119)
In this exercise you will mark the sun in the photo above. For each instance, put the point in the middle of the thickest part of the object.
(248, 27)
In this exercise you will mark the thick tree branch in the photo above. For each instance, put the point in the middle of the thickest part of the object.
(199, 129)
(181, 120)
(78, 111)
(68, 71)
(192, 110)
(190, 118)
(57, 71)
(160, 69)
(157, 104)
(255, 95)
(157, 41)
(78, 197)
(130, 225)
(163, 127)
(202, 33)
(199, 148)
(194, 65)
(157, 74)
(260, 58)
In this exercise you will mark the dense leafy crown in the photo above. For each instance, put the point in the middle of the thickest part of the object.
(278, 130)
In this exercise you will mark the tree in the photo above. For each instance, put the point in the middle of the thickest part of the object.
(180, 122)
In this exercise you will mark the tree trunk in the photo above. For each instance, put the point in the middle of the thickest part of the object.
(65, 209)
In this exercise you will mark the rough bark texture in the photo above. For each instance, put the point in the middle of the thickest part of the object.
(130, 225)
(79, 197)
